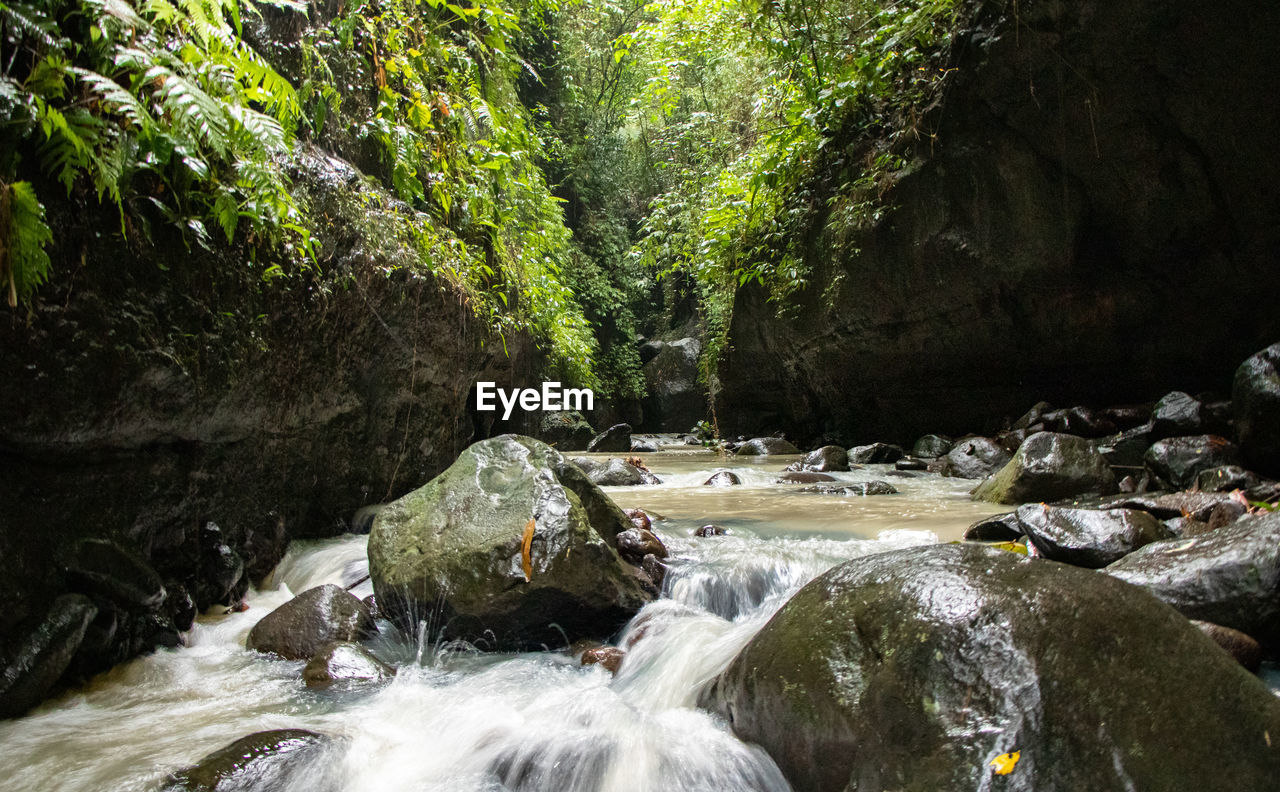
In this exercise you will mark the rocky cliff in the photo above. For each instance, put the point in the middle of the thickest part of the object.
(1095, 220)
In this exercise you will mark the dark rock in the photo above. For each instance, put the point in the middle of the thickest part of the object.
(1186, 527)
(639, 518)
(614, 439)
(1128, 416)
(766, 446)
(607, 657)
(861, 489)
(875, 454)
(1226, 479)
(269, 760)
(1000, 528)
(1128, 484)
(371, 602)
(675, 400)
(222, 580)
(567, 430)
(454, 548)
(42, 653)
(1176, 415)
(1032, 416)
(1255, 399)
(1217, 417)
(1224, 514)
(1088, 537)
(643, 446)
(1179, 460)
(636, 543)
(344, 663)
(829, 458)
(1080, 421)
(1242, 648)
(974, 458)
(653, 566)
(804, 478)
(914, 669)
(723, 478)
(1128, 448)
(615, 472)
(300, 628)
(1229, 576)
(1198, 505)
(910, 463)
(710, 530)
(1012, 439)
(104, 568)
(931, 446)
(1048, 467)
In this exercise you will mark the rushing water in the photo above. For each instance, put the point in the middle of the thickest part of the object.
(457, 720)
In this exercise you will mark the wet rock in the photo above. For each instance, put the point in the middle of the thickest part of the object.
(1048, 467)
(723, 478)
(42, 652)
(1000, 528)
(1255, 400)
(830, 458)
(269, 760)
(643, 446)
(1226, 479)
(1176, 415)
(914, 669)
(371, 602)
(1011, 440)
(1032, 417)
(931, 446)
(1242, 648)
(639, 518)
(910, 463)
(653, 566)
(1216, 417)
(974, 458)
(614, 439)
(454, 548)
(1128, 448)
(710, 530)
(567, 430)
(804, 478)
(766, 446)
(636, 543)
(861, 489)
(1198, 505)
(1179, 460)
(675, 400)
(104, 568)
(301, 627)
(1128, 416)
(875, 454)
(607, 657)
(222, 580)
(615, 472)
(1229, 576)
(1080, 421)
(1088, 537)
(344, 663)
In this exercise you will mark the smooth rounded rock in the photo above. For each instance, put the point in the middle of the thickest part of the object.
(804, 478)
(41, 653)
(1088, 537)
(974, 458)
(723, 478)
(875, 454)
(859, 489)
(766, 446)
(636, 543)
(1179, 460)
(1000, 528)
(271, 760)
(827, 459)
(1049, 467)
(1242, 648)
(1176, 415)
(300, 628)
(344, 663)
(931, 446)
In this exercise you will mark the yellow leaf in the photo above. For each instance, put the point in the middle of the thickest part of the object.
(526, 546)
(1011, 547)
(1004, 763)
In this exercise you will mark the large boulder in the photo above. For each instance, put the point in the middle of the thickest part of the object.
(875, 454)
(821, 460)
(566, 430)
(615, 439)
(766, 446)
(1179, 460)
(614, 472)
(1049, 466)
(1255, 400)
(974, 458)
(270, 760)
(675, 401)
(456, 551)
(1088, 537)
(931, 446)
(301, 627)
(35, 662)
(917, 669)
(1230, 576)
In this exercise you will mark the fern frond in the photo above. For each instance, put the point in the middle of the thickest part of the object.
(114, 97)
(33, 23)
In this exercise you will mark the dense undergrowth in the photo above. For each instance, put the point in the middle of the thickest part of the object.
(580, 169)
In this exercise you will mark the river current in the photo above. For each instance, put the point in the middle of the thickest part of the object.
(458, 720)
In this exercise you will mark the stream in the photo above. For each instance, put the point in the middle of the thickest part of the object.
(464, 721)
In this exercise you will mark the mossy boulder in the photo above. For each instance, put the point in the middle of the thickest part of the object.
(1049, 466)
(452, 551)
(916, 669)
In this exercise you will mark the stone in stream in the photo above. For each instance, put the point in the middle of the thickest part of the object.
(607, 657)
(1255, 400)
(910, 464)
(999, 528)
(615, 439)
(643, 446)
(271, 760)
(636, 543)
(300, 628)
(343, 662)
(1199, 505)
(974, 458)
(1048, 467)
(614, 472)
(875, 454)
(1176, 415)
(454, 551)
(803, 478)
(1179, 460)
(1242, 648)
(710, 530)
(766, 446)
(42, 652)
(1230, 576)
(639, 518)
(916, 669)
(1226, 478)
(932, 446)
(1088, 537)
(860, 489)
(567, 430)
(1128, 448)
(829, 458)
(1032, 417)
(723, 478)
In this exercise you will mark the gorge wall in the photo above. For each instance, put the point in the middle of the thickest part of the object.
(1097, 220)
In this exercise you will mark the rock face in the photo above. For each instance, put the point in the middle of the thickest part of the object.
(1229, 576)
(915, 669)
(276, 759)
(303, 626)
(451, 552)
(34, 665)
(1034, 249)
(1255, 399)
(675, 400)
(1088, 537)
(1048, 467)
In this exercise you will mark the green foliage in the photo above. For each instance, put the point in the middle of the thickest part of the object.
(23, 234)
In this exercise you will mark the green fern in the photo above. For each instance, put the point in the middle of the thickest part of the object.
(24, 265)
